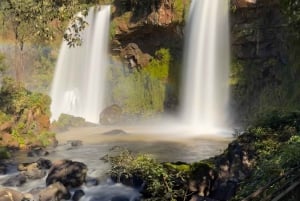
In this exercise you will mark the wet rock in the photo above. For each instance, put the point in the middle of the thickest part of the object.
(91, 182)
(111, 115)
(115, 132)
(10, 195)
(44, 163)
(55, 191)
(3, 169)
(78, 195)
(35, 170)
(74, 143)
(37, 152)
(15, 181)
(202, 178)
(225, 190)
(67, 172)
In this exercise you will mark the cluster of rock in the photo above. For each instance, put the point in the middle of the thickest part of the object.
(62, 176)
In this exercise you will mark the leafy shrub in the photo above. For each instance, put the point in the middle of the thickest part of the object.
(66, 121)
(4, 154)
(159, 179)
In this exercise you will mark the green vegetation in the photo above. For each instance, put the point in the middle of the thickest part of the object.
(66, 121)
(4, 154)
(142, 93)
(24, 115)
(276, 142)
(160, 180)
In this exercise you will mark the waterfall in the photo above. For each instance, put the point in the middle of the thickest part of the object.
(79, 79)
(205, 91)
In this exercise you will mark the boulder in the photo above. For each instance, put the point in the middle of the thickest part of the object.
(74, 143)
(33, 171)
(55, 191)
(111, 115)
(68, 173)
(38, 151)
(44, 163)
(10, 195)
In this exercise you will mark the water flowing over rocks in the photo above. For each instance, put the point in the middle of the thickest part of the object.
(15, 181)
(67, 172)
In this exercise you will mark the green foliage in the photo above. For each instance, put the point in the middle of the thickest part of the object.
(142, 93)
(66, 121)
(275, 141)
(158, 68)
(41, 20)
(28, 110)
(180, 8)
(159, 182)
(272, 165)
(3, 67)
(45, 138)
(4, 154)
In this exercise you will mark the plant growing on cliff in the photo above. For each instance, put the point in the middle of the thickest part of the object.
(145, 91)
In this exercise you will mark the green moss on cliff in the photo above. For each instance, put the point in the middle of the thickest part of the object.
(142, 92)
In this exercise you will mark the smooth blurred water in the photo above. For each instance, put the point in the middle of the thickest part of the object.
(79, 79)
(205, 90)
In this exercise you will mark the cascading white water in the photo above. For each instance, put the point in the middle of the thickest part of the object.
(205, 88)
(79, 79)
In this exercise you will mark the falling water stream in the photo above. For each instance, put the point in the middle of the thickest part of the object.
(206, 67)
(79, 79)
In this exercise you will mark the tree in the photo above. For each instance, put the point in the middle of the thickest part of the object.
(42, 20)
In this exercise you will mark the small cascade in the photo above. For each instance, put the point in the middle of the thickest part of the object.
(205, 88)
(79, 80)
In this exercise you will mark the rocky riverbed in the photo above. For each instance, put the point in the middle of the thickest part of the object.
(76, 167)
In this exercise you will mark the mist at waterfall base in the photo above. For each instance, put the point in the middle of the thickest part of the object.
(79, 84)
(79, 80)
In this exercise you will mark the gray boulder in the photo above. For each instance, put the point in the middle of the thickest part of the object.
(69, 173)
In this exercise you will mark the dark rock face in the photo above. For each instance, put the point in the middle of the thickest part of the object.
(111, 115)
(67, 172)
(55, 191)
(15, 181)
(10, 195)
(202, 179)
